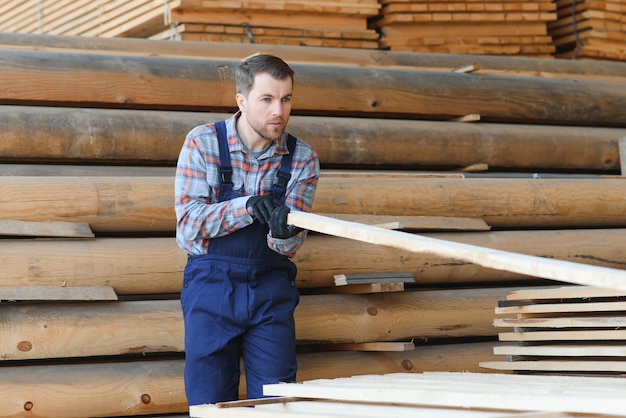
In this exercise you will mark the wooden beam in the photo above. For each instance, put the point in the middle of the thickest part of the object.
(116, 204)
(371, 346)
(155, 326)
(416, 222)
(155, 386)
(97, 80)
(500, 260)
(99, 136)
(357, 289)
(155, 265)
(340, 56)
(568, 394)
(622, 154)
(255, 402)
(45, 229)
(369, 278)
(56, 293)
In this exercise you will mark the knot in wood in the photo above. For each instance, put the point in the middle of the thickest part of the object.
(24, 346)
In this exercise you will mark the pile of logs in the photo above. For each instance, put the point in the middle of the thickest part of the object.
(91, 132)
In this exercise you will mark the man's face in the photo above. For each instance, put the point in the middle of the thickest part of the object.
(268, 106)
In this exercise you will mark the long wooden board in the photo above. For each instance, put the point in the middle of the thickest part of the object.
(570, 394)
(501, 260)
(45, 229)
(56, 293)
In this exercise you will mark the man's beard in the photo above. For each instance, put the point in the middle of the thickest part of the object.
(263, 132)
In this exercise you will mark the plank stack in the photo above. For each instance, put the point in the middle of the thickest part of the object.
(467, 27)
(590, 29)
(305, 23)
(308, 23)
(92, 129)
(435, 395)
(563, 330)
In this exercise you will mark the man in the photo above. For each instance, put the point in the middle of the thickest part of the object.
(236, 182)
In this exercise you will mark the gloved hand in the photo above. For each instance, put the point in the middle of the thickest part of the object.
(261, 207)
(278, 224)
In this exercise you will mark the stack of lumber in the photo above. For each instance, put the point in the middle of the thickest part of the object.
(131, 18)
(436, 395)
(92, 128)
(562, 330)
(305, 23)
(309, 23)
(590, 29)
(467, 26)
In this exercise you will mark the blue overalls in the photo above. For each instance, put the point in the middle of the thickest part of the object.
(238, 301)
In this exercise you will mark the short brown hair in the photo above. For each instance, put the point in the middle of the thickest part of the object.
(251, 66)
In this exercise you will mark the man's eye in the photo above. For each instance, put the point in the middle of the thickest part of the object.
(287, 99)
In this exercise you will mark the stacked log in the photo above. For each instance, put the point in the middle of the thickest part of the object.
(92, 137)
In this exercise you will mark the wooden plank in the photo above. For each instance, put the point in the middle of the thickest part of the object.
(267, 18)
(416, 222)
(368, 278)
(334, 409)
(562, 350)
(56, 293)
(357, 289)
(558, 366)
(255, 402)
(612, 282)
(587, 335)
(622, 154)
(572, 395)
(45, 229)
(501, 260)
(612, 321)
(552, 292)
(372, 346)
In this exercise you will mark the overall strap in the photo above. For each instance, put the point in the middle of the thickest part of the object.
(284, 172)
(226, 170)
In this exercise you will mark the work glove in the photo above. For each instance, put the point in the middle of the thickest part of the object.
(261, 207)
(278, 224)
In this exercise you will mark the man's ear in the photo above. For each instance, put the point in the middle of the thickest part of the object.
(241, 101)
